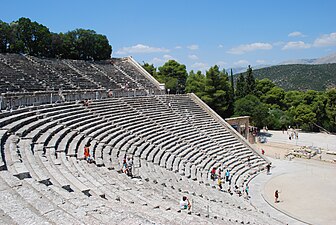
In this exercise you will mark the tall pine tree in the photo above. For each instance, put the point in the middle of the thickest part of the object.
(250, 82)
(218, 92)
(240, 87)
(232, 84)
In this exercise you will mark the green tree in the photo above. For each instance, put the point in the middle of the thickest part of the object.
(250, 105)
(30, 37)
(57, 45)
(240, 87)
(4, 36)
(218, 91)
(86, 44)
(319, 108)
(250, 82)
(196, 83)
(174, 75)
(25, 36)
(263, 86)
(278, 119)
(331, 108)
(274, 97)
(150, 69)
(304, 117)
(232, 84)
(292, 98)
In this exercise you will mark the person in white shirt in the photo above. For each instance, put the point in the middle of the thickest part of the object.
(184, 203)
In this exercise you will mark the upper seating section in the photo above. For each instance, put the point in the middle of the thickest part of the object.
(127, 66)
(23, 73)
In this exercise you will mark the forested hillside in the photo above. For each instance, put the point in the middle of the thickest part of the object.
(300, 76)
(263, 100)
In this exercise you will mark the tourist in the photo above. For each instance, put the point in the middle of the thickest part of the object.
(247, 191)
(220, 183)
(129, 166)
(124, 165)
(268, 167)
(276, 195)
(229, 190)
(213, 173)
(86, 103)
(184, 203)
(227, 175)
(87, 152)
(262, 151)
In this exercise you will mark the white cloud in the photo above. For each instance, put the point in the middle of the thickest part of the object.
(296, 34)
(193, 57)
(200, 66)
(220, 46)
(278, 43)
(221, 63)
(260, 61)
(241, 49)
(296, 45)
(193, 47)
(162, 60)
(325, 40)
(178, 47)
(140, 48)
(167, 57)
(156, 60)
(241, 62)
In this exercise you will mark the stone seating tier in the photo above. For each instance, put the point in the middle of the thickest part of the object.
(23, 73)
(44, 145)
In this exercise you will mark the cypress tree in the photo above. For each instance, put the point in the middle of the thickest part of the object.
(232, 84)
(250, 82)
(240, 86)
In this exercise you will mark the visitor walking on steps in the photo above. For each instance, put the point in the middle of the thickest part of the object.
(227, 175)
(219, 183)
(219, 173)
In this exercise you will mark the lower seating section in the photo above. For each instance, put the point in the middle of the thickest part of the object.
(173, 142)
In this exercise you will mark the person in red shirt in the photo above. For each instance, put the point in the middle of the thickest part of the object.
(87, 151)
(213, 173)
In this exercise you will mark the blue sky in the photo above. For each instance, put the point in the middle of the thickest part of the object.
(197, 33)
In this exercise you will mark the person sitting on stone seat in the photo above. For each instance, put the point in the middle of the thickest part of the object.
(184, 203)
(87, 152)
(129, 166)
(124, 165)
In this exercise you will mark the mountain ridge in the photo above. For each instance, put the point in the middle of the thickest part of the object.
(302, 77)
(331, 58)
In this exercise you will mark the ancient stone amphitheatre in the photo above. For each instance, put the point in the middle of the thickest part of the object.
(174, 140)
